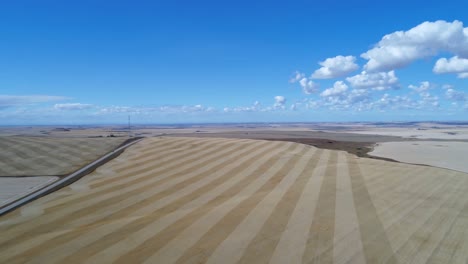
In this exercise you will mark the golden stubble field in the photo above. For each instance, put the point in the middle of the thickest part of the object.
(192, 200)
(33, 156)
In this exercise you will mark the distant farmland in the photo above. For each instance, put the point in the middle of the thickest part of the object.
(32, 156)
(192, 200)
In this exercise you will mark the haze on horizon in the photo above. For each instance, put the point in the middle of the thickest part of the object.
(185, 62)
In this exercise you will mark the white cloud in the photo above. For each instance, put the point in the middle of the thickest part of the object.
(295, 106)
(253, 108)
(280, 102)
(338, 89)
(18, 100)
(404, 102)
(197, 108)
(396, 102)
(117, 109)
(463, 75)
(454, 95)
(359, 100)
(311, 104)
(452, 65)
(447, 86)
(423, 87)
(297, 77)
(377, 81)
(342, 100)
(166, 109)
(400, 48)
(336, 67)
(308, 86)
(178, 109)
(426, 99)
(358, 96)
(72, 106)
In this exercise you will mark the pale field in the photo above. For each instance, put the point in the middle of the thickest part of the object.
(45, 156)
(443, 146)
(420, 132)
(443, 154)
(192, 200)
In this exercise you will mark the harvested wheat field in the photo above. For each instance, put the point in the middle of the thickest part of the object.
(31, 156)
(192, 200)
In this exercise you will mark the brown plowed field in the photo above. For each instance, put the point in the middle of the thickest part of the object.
(192, 200)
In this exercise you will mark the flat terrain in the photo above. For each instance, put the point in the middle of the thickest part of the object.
(192, 200)
(433, 144)
(295, 134)
(442, 154)
(31, 156)
(459, 133)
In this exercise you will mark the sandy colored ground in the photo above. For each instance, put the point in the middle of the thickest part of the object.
(191, 200)
(443, 154)
(13, 188)
(30, 156)
(446, 133)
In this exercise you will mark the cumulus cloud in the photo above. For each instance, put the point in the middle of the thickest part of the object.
(338, 89)
(455, 95)
(423, 87)
(426, 99)
(308, 86)
(72, 106)
(336, 67)
(358, 96)
(400, 48)
(339, 98)
(297, 77)
(452, 65)
(399, 102)
(280, 102)
(376, 81)
(18, 100)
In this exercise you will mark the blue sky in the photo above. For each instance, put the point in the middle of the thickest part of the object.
(232, 61)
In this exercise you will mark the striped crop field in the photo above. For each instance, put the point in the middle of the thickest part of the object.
(31, 156)
(193, 200)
